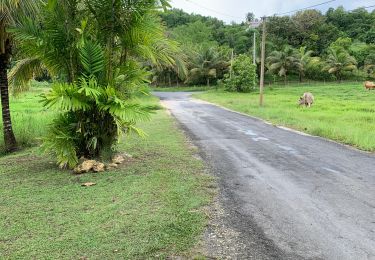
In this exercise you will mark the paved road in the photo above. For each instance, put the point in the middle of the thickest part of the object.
(290, 196)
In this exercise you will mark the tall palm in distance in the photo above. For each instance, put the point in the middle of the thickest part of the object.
(207, 63)
(10, 12)
(304, 57)
(284, 61)
(339, 61)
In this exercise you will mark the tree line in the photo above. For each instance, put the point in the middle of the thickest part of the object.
(338, 45)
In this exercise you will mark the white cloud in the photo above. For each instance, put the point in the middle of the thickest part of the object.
(235, 10)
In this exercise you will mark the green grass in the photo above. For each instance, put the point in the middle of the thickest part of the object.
(183, 89)
(29, 118)
(342, 112)
(149, 208)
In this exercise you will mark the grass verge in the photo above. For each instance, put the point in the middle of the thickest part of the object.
(342, 112)
(149, 208)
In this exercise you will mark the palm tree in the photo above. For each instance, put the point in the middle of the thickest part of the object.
(97, 50)
(304, 57)
(281, 62)
(339, 61)
(10, 12)
(128, 30)
(208, 63)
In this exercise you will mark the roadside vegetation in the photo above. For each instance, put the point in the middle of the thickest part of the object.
(341, 112)
(308, 45)
(147, 208)
(99, 58)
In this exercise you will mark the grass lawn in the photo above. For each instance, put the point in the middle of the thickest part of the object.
(149, 208)
(342, 112)
(28, 117)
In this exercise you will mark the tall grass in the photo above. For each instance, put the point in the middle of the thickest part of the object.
(342, 112)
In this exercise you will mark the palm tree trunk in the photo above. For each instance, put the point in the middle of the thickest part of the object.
(9, 138)
(208, 82)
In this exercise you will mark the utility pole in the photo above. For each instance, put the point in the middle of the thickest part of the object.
(231, 65)
(263, 56)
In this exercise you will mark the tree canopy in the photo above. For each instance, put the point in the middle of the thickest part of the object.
(309, 35)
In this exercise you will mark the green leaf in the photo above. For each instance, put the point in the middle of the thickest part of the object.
(92, 58)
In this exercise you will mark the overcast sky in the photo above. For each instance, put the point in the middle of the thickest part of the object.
(235, 10)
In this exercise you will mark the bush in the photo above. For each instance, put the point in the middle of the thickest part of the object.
(244, 77)
(315, 71)
(92, 115)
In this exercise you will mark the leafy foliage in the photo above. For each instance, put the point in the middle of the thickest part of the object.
(308, 34)
(339, 61)
(281, 62)
(97, 53)
(208, 64)
(92, 119)
(243, 77)
(92, 58)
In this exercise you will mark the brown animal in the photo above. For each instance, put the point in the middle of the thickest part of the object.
(369, 85)
(307, 99)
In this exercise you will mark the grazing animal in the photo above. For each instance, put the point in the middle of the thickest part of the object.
(307, 99)
(369, 85)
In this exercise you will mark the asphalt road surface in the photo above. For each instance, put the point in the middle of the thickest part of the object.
(289, 195)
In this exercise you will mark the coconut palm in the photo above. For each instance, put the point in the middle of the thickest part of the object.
(339, 61)
(282, 62)
(208, 63)
(304, 57)
(10, 12)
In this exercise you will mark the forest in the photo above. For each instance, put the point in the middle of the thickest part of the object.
(334, 46)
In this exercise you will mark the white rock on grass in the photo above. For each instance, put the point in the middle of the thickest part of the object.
(118, 159)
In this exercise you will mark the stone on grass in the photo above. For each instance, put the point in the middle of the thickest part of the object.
(89, 166)
(99, 167)
(85, 167)
(118, 159)
(88, 184)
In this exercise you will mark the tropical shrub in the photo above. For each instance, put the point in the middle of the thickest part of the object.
(92, 116)
(97, 53)
(243, 77)
(315, 70)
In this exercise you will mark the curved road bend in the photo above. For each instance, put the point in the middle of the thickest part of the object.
(289, 196)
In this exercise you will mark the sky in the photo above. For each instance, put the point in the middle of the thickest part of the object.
(236, 10)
